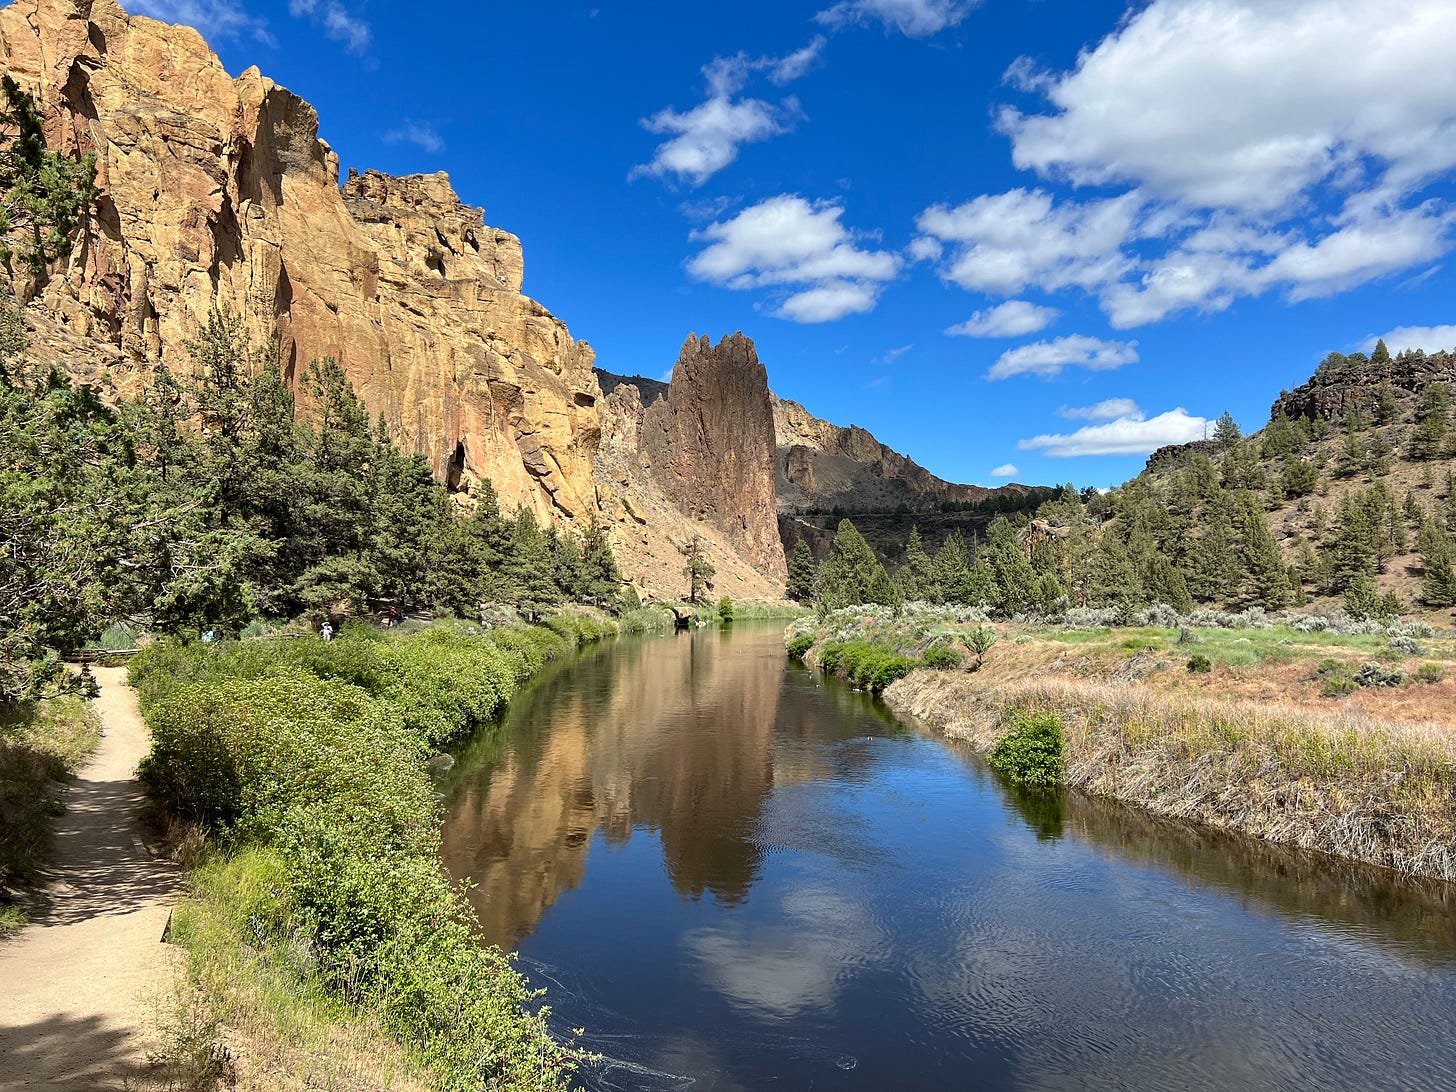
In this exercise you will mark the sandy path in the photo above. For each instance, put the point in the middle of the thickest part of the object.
(76, 983)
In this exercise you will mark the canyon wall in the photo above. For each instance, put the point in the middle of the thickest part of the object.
(217, 192)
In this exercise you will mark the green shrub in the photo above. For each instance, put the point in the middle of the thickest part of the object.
(1199, 664)
(1031, 753)
(1372, 674)
(307, 759)
(1338, 685)
(864, 665)
(725, 611)
(799, 646)
(1430, 673)
(941, 657)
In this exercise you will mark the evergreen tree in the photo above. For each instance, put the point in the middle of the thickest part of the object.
(1016, 581)
(601, 580)
(1428, 440)
(1266, 581)
(1438, 562)
(950, 579)
(47, 196)
(1381, 355)
(697, 570)
(1112, 578)
(1361, 598)
(916, 575)
(1226, 432)
(802, 571)
(531, 568)
(850, 574)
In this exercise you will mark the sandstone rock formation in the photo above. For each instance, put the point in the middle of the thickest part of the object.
(217, 192)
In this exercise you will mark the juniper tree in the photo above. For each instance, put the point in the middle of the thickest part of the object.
(697, 570)
(850, 574)
(44, 196)
(802, 570)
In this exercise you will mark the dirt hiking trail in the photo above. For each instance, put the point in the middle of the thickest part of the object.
(78, 985)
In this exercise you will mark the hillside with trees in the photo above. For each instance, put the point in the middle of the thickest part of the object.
(1345, 500)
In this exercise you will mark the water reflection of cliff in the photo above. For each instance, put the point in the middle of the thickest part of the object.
(677, 735)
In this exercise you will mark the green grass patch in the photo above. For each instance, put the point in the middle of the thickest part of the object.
(12, 920)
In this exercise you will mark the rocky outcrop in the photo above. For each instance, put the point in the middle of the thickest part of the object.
(1342, 385)
(821, 466)
(711, 445)
(217, 192)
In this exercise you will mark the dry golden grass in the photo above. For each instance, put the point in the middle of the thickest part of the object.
(1330, 778)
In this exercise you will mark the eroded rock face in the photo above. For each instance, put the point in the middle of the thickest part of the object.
(218, 192)
(711, 444)
(821, 465)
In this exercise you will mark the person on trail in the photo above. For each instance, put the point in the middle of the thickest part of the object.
(327, 630)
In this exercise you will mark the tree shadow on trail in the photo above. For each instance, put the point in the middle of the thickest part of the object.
(69, 1054)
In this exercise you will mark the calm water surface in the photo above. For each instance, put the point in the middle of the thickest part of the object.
(736, 875)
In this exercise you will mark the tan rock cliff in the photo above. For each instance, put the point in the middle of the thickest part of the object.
(218, 192)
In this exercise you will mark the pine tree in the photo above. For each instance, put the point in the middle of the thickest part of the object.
(1266, 581)
(1112, 578)
(1226, 432)
(950, 580)
(697, 570)
(802, 571)
(1428, 440)
(1361, 598)
(916, 575)
(1016, 580)
(601, 580)
(1438, 561)
(850, 574)
(1381, 355)
(531, 568)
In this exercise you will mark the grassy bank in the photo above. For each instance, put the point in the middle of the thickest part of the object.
(659, 620)
(41, 744)
(1238, 728)
(319, 908)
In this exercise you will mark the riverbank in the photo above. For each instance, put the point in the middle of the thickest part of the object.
(322, 942)
(1263, 730)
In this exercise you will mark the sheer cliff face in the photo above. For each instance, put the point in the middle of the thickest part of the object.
(218, 192)
(711, 442)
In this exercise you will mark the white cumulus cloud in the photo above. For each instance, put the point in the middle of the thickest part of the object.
(1049, 358)
(1108, 410)
(1431, 339)
(419, 133)
(1249, 163)
(339, 22)
(1243, 103)
(912, 18)
(800, 248)
(1132, 435)
(1003, 243)
(1007, 470)
(1014, 318)
(707, 138)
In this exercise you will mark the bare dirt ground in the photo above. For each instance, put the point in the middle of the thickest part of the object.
(79, 983)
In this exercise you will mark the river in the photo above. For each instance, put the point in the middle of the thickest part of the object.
(735, 874)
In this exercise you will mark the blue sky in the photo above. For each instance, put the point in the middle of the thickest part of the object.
(1019, 239)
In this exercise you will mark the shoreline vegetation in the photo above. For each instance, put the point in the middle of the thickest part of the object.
(318, 919)
(1311, 731)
